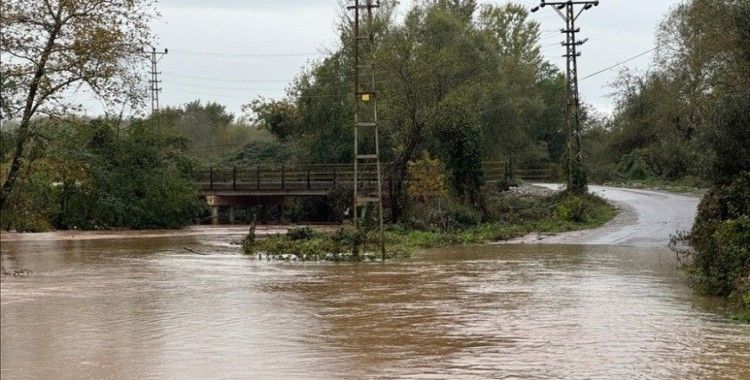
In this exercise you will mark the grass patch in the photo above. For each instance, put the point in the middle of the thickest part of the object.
(686, 185)
(306, 244)
(510, 216)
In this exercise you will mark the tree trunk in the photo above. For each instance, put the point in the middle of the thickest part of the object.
(400, 170)
(28, 112)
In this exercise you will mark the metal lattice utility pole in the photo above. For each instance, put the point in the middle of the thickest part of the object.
(368, 191)
(154, 57)
(569, 11)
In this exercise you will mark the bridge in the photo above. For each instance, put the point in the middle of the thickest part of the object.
(272, 185)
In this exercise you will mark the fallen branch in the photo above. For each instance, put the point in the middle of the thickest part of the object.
(194, 251)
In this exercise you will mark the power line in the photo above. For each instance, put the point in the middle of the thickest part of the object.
(209, 95)
(226, 88)
(244, 55)
(330, 95)
(227, 79)
(619, 63)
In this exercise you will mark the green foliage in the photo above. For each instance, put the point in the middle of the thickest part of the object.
(431, 207)
(690, 185)
(688, 116)
(460, 215)
(571, 208)
(580, 209)
(93, 174)
(302, 233)
(721, 238)
(509, 208)
(463, 157)
(263, 151)
(339, 200)
(465, 83)
(248, 242)
(511, 216)
(32, 222)
(208, 129)
(444, 215)
(280, 117)
(633, 166)
(308, 244)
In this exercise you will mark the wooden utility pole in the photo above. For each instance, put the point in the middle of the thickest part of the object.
(368, 191)
(577, 181)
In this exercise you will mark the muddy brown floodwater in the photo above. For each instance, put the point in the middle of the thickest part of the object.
(149, 308)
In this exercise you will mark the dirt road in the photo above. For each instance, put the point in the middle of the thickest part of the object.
(646, 219)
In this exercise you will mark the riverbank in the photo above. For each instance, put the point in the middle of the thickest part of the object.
(234, 231)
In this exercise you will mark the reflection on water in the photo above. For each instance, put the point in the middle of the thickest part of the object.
(149, 308)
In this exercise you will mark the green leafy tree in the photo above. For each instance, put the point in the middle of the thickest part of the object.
(50, 46)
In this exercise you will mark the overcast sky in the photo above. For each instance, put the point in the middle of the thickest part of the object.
(231, 51)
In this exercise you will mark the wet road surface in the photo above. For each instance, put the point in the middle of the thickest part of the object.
(646, 219)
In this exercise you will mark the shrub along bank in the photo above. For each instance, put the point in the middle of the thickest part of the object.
(721, 242)
(102, 173)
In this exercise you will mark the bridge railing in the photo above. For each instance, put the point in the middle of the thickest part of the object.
(328, 176)
(306, 177)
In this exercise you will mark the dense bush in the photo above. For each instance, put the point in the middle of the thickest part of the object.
(721, 238)
(564, 209)
(339, 201)
(461, 216)
(431, 205)
(633, 166)
(512, 209)
(302, 233)
(307, 244)
(97, 174)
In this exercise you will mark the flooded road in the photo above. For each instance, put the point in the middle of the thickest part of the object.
(149, 308)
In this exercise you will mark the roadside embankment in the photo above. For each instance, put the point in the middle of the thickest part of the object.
(646, 218)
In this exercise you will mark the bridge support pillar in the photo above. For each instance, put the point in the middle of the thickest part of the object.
(231, 214)
(215, 215)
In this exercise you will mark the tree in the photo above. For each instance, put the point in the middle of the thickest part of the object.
(437, 52)
(210, 130)
(427, 189)
(687, 116)
(50, 46)
(279, 117)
